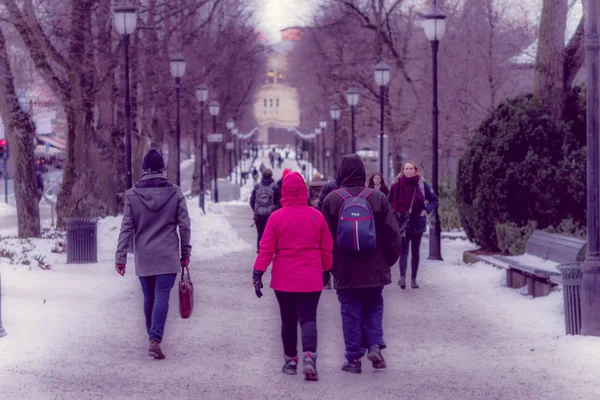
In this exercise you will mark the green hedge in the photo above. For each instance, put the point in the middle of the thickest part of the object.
(523, 166)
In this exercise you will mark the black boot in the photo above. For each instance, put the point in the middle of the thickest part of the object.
(354, 366)
(290, 366)
(376, 357)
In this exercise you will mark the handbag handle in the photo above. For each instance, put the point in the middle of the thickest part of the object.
(185, 269)
(411, 202)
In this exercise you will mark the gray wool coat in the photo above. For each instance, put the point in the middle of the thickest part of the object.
(154, 210)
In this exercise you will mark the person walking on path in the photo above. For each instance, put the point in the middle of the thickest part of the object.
(410, 193)
(360, 275)
(155, 209)
(264, 201)
(298, 242)
(376, 182)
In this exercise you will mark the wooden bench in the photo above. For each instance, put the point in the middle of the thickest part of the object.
(540, 279)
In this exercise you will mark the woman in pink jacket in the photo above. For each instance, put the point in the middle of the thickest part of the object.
(298, 242)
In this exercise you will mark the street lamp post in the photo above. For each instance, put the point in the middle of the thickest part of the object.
(316, 151)
(323, 125)
(382, 78)
(435, 28)
(230, 125)
(236, 161)
(125, 23)
(213, 109)
(352, 96)
(335, 115)
(178, 64)
(202, 96)
(590, 283)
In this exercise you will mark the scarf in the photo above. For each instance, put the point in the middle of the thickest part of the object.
(403, 195)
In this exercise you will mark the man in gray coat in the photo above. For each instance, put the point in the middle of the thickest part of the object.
(154, 209)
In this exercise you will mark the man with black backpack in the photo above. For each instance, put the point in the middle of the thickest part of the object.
(367, 245)
(264, 201)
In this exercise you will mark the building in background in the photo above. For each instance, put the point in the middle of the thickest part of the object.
(276, 107)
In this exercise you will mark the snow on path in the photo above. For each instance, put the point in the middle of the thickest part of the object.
(461, 336)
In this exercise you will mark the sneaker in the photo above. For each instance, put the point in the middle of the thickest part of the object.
(155, 351)
(290, 366)
(354, 366)
(309, 365)
(376, 357)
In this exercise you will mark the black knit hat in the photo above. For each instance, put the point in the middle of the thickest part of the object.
(153, 161)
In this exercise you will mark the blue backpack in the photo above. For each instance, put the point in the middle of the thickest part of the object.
(356, 225)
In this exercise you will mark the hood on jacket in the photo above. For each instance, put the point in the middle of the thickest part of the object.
(155, 191)
(294, 191)
(267, 181)
(352, 171)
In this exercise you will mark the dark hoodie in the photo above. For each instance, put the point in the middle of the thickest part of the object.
(362, 269)
(266, 182)
(154, 210)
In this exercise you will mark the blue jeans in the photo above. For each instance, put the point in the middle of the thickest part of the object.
(362, 320)
(156, 289)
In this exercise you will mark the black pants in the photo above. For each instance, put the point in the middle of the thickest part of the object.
(414, 243)
(261, 224)
(298, 307)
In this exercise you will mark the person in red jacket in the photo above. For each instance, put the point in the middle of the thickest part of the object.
(298, 242)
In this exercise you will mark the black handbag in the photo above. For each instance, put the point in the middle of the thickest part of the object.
(403, 218)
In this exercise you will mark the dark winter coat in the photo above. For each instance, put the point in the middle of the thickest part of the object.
(154, 210)
(266, 182)
(328, 188)
(362, 269)
(417, 224)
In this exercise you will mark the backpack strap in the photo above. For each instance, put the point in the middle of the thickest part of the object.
(343, 193)
(366, 192)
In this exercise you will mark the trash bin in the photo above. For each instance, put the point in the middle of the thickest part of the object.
(82, 240)
(571, 283)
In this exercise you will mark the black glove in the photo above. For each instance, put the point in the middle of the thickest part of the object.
(257, 282)
(326, 278)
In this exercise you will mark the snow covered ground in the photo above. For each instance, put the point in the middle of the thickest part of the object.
(76, 331)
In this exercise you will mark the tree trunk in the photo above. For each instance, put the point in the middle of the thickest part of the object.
(111, 172)
(80, 194)
(549, 66)
(20, 132)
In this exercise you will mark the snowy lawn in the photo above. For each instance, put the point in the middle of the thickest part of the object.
(36, 303)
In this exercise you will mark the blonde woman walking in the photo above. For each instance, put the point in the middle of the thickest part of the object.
(411, 199)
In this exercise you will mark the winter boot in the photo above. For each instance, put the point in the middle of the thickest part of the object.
(376, 357)
(402, 282)
(309, 365)
(155, 350)
(290, 366)
(354, 366)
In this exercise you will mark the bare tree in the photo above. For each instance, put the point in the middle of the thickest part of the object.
(20, 132)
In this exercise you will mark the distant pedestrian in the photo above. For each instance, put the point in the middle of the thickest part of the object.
(254, 175)
(298, 242)
(262, 167)
(272, 158)
(376, 182)
(39, 182)
(410, 193)
(365, 249)
(264, 201)
(155, 210)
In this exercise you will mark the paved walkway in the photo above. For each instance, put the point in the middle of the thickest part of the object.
(441, 345)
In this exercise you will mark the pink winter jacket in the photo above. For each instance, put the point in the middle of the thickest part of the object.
(297, 240)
